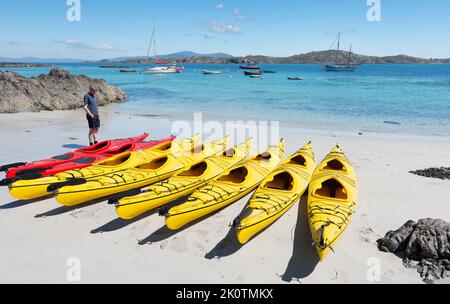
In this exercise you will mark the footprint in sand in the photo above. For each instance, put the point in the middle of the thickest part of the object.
(389, 273)
(179, 244)
(367, 235)
(202, 233)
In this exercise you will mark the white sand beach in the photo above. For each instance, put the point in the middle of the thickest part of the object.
(39, 237)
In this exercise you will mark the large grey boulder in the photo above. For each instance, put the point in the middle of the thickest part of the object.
(58, 90)
(424, 245)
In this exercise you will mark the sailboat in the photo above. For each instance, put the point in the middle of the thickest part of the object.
(159, 69)
(341, 67)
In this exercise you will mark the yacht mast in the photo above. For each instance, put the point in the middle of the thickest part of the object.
(338, 46)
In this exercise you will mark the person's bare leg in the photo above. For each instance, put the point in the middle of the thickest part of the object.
(91, 136)
(95, 135)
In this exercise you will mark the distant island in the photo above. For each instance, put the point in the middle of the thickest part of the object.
(24, 65)
(319, 57)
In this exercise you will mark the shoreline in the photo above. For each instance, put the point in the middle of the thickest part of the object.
(108, 110)
(115, 251)
(316, 129)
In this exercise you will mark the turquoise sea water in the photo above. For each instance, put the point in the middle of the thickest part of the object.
(412, 99)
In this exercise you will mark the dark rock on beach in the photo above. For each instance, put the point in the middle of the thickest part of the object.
(441, 173)
(398, 239)
(58, 90)
(424, 245)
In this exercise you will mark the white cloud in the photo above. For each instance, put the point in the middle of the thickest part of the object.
(208, 36)
(237, 15)
(220, 27)
(220, 6)
(87, 46)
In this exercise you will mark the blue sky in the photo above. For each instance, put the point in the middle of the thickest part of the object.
(240, 27)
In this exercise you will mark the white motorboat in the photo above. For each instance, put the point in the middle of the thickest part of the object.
(161, 70)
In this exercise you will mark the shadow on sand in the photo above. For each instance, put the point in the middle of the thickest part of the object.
(226, 247)
(64, 209)
(22, 203)
(118, 223)
(230, 244)
(304, 257)
(73, 146)
(164, 233)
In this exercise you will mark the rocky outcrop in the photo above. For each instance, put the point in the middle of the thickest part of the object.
(424, 245)
(58, 90)
(441, 173)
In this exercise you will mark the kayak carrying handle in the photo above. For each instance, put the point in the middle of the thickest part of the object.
(163, 211)
(115, 198)
(29, 171)
(10, 166)
(70, 182)
(7, 181)
(27, 176)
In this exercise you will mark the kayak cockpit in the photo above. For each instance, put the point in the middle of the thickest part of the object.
(195, 171)
(236, 176)
(331, 188)
(155, 164)
(298, 160)
(282, 181)
(335, 165)
(116, 161)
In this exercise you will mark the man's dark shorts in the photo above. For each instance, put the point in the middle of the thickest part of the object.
(94, 123)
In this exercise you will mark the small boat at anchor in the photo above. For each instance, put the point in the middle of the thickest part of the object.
(338, 66)
(208, 72)
(296, 78)
(177, 68)
(171, 69)
(247, 73)
(128, 71)
(161, 70)
(250, 67)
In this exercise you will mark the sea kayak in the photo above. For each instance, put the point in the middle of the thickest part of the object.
(154, 169)
(233, 185)
(31, 189)
(280, 190)
(181, 184)
(331, 200)
(81, 157)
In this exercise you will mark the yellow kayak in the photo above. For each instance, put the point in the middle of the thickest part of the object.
(277, 194)
(155, 168)
(331, 200)
(181, 184)
(32, 189)
(230, 187)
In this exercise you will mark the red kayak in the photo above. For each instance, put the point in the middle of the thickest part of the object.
(87, 161)
(80, 158)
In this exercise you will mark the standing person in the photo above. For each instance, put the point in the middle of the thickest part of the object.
(92, 114)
